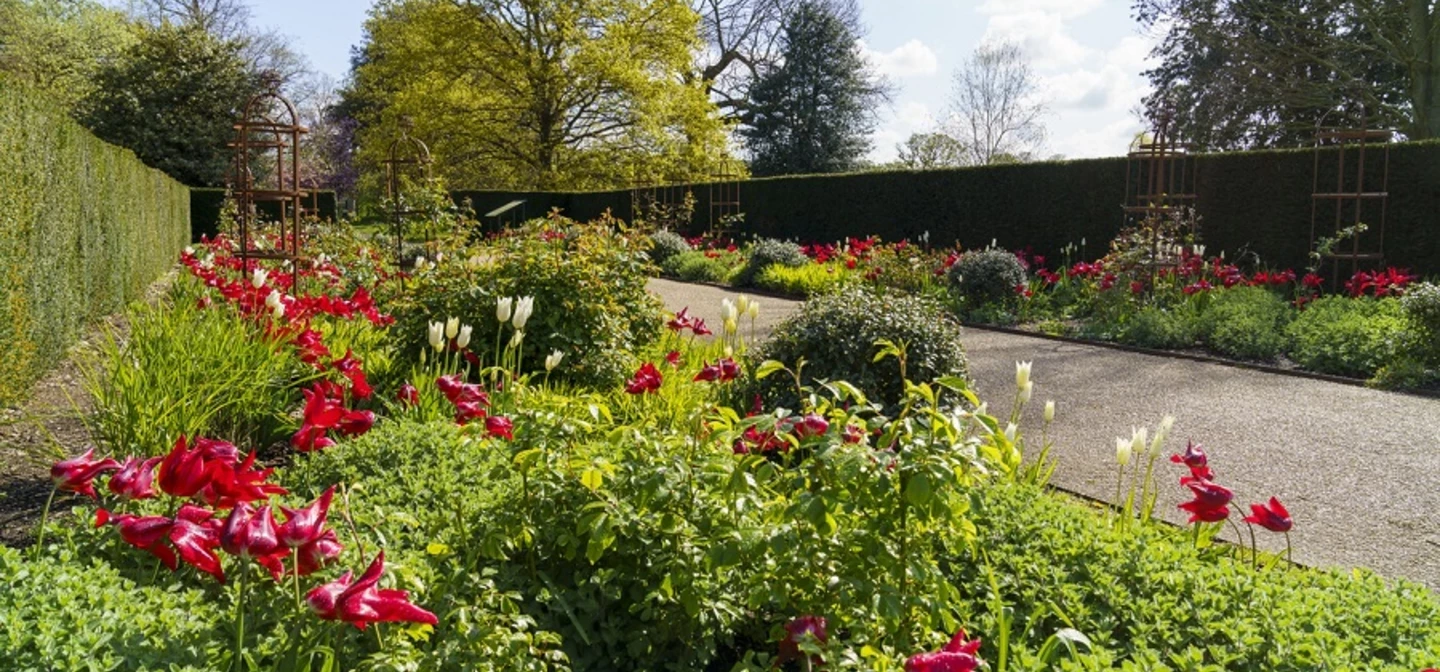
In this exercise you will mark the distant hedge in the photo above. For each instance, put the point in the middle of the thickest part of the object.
(205, 210)
(1249, 201)
(85, 227)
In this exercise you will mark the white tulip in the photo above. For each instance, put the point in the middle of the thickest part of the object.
(742, 305)
(273, 299)
(419, 262)
(258, 278)
(1161, 434)
(553, 360)
(1010, 430)
(1138, 440)
(278, 311)
(517, 340)
(727, 310)
(731, 326)
(437, 335)
(463, 339)
(208, 262)
(1022, 374)
(1025, 392)
(1124, 448)
(754, 309)
(523, 309)
(1199, 250)
(503, 309)
(452, 327)
(189, 251)
(1049, 411)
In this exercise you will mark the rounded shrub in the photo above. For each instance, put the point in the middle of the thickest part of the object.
(1246, 322)
(1347, 337)
(1422, 308)
(986, 276)
(836, 335)
(767, 252)
(667, 244)
(694, 266)
(1156, 327)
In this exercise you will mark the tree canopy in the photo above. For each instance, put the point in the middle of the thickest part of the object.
(547, 94)
(813, 113)
(57, 46)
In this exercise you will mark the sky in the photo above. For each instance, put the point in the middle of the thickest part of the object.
(1088, 55)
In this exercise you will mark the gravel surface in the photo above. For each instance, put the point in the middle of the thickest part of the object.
(1359, 469)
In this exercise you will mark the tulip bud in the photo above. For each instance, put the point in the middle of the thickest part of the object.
(504, 307)
(258, 278)
(419, 262)
(189, 251)
(516, 340)
(742, 304)
(437, 335)
(1010, 430)
(1049, 411)
(452, 327)
(1161, 434)
(983, 408)
(1138, 439)
(1022, 374)
(273, 299)
(727, 310)
(278, 311)
(463, 339)
(1025, 392)
(1124, 448)
(754, 309)
(731, 325)
(553, 360)
(523, 309)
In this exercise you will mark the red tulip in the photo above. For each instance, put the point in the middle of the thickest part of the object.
(957, 656)
(232, 484)
(196, 534)
(500, 426)
(185, 472)
(136, 478)
(147, 533)
(355, 423)
(681, 321)
(249, 533)
(466, 411)
(77, 473)
(709, 373)
(673, 359)
(699, 329)
(305, 525)
(1211, 503)
(1272, 517)
(318, 553)
(1194, 457)
(312, 350)
(215, 449)
(361, 603)
(811, 425)
(647, 379)
(729, 369)
(796, 631)
(853, 434)
(408, 395)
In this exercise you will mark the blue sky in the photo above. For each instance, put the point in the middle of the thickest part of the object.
(1088, 53)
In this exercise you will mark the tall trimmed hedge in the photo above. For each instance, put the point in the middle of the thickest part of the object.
(1249, 201)
(85, 227)
(205, 210)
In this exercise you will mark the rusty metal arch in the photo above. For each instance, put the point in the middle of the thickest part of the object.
(406, 153)
(261, 137)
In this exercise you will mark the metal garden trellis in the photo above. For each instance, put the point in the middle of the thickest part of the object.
(406, 154)
(269, 127)
(1351, 194)
(1159, 182)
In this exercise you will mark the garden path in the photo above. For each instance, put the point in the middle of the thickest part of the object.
(1359, 469)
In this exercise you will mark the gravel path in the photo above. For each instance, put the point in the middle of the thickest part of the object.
(1359, 469)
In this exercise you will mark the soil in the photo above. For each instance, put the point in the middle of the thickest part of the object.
(51, 425)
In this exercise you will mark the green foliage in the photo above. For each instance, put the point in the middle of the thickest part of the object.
(667, 244)
(1246, 322)
(987, 276)
(70, 615)
(205, 207)
(56, 46)
(814, 112)
(588, 282)
(696, 266)
(1348, 337)
(1422, 308)
(1157, 327)
(609, 75)
(808, 280)
(84, 229)
(188, 371)
(835, 334)
(766, 252)
(1149, 598)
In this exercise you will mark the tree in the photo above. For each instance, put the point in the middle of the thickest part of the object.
(995, 110)
(265, 50)
(928, 151)
(172, 99)
(56, 46)
(539, 94)
(814, 112)
(1264, 73)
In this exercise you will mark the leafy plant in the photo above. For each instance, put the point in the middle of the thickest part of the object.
(1422, 307)
(766, 252)
(667, 244)
(698, 266)
(987, 276)
(807, 280)
(1348, 337)
(1158, 327)
(1246, 322)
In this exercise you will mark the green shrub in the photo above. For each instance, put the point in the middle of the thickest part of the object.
(766, 252)
(695, 266)
(1246, 322)
(1422, 308)
(1347, 337)
(1157, 327)
(666, 244)
(85, 227)
(588, 282)
(69, 615)
(987, 276)
(836, 336)
(807, 280)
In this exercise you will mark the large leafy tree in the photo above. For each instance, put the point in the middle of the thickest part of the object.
(995, 107)
(813, 113)
(1264, 73)
(57, 46)
(929, 151)
(547, 94)
(172, 99)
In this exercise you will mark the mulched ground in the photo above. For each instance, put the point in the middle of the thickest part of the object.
(48, 426)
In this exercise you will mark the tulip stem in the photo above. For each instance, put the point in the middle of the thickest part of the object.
(380, 640)
(295, 564)
(44, 518)
(1289, 555)
(240, 618)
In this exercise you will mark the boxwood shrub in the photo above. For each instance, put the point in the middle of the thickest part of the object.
(1348, 337)
(1246, 322)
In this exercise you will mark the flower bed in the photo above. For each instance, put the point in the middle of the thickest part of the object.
(471, 506)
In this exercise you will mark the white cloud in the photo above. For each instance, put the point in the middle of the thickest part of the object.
(1041, 36)
(1068, 9)
(896, 126)
(911, 59)
(1112, 139)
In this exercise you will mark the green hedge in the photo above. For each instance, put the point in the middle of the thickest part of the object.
(1249, 201)
(205, 210)
(84, 228)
